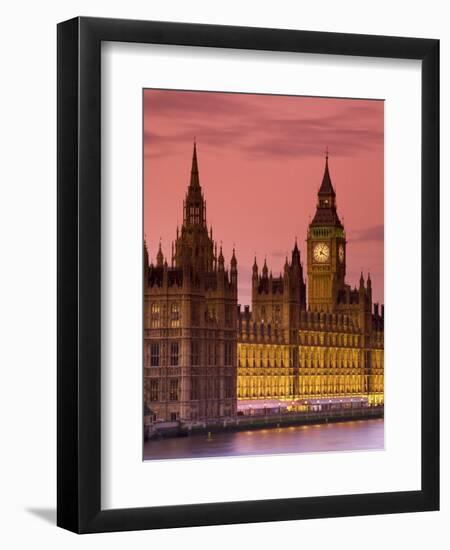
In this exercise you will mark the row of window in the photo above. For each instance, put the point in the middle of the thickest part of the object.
(252, 358)
(212, 353)
(173, 389)
(260, 329)
(320, 232)
(156, 315)
(155, 354)
(267, 387)
(279, 356)
(276, 314)
(321, 339)
(212, 390)
(301, 365)
(313, 339)
(194, 214)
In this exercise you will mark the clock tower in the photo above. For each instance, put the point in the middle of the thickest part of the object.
(326, 247)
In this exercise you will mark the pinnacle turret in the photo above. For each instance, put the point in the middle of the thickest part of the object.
(221, 260)
(159, 257)
(145, 254)
(295, 254)
(233, 261)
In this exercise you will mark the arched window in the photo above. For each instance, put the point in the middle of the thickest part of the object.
(155, 315)
(175, 315)
(277, 314)
(174, 353)
(154, 354)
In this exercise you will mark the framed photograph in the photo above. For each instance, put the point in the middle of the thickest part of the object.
(236, 207)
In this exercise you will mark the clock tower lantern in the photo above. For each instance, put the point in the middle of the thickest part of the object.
(326, 247)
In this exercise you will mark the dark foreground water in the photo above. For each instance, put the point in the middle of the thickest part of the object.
(339, 436)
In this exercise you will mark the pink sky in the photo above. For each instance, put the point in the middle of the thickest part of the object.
(261, 161)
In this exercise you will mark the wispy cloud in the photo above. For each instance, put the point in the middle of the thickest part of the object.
(373, 233)
(170, 103)
(232, 120)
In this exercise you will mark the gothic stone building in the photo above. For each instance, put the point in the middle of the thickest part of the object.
(328, 352)
(205, 357)
(190, 322)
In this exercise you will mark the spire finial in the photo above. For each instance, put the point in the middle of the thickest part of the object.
(195, 182)
(326, 188)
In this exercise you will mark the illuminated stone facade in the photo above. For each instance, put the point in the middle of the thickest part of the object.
(204, 355)
(328, 346)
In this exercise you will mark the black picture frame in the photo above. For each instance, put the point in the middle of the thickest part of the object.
(79, 281)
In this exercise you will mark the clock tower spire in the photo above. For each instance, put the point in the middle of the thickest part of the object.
(326, 249)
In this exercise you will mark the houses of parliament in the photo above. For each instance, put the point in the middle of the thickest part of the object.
(301, 345)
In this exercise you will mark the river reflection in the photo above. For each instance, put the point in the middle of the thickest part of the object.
(340, 436)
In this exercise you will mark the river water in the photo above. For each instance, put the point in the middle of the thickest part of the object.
(338, 436)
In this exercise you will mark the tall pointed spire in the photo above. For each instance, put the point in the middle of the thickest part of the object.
(195, 181)
(194, 242)
(326, 214)
(194, 212)
(327, 187)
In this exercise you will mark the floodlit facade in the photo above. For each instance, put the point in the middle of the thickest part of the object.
(328, 345)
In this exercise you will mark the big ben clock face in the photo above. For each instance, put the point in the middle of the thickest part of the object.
(341, 253)
(321, 252)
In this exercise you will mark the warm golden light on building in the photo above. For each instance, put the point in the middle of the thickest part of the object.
(333, 346)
